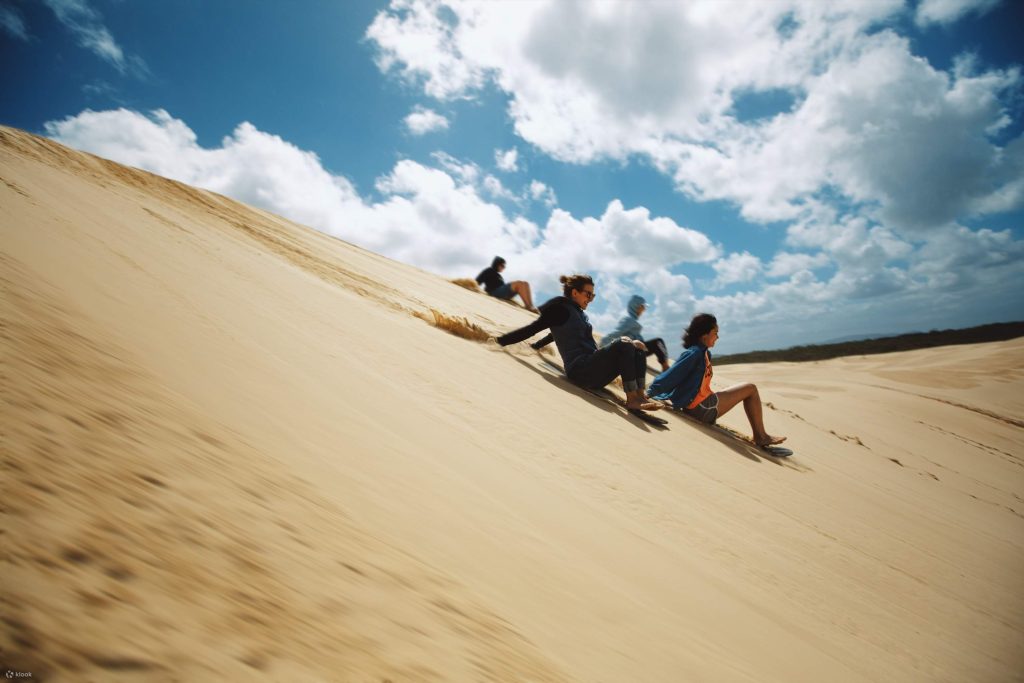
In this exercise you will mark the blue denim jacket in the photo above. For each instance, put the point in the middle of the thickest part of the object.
(681, 382)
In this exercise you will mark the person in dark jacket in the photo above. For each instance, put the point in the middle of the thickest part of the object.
(630, 328)
(584, 363)
(687, 384)
(495, 285)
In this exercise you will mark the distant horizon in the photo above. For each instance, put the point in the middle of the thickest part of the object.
(802, 170)
(878, 337)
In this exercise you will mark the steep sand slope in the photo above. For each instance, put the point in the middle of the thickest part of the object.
(233, 451)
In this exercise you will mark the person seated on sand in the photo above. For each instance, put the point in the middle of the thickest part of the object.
(495, 285)
(629, 328)
(687, 384)
(584, 363)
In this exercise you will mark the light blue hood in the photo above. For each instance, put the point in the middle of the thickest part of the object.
(630, 325)
(635, 302)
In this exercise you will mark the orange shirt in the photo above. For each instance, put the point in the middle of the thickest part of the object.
(705, 384)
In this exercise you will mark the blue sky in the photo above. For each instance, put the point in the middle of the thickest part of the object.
(804, 170)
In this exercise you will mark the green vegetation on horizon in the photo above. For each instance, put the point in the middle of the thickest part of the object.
(904, 342)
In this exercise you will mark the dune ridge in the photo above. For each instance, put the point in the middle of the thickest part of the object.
(234, 449)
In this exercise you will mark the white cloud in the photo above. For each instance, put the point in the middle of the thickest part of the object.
(496, 189)
(422, 121)
(539, 192)
(439, 217)
(87, 26)
(959, 258)
(785, 263)
(851, 241)
(424, 38)
(432, 220)
(507, 160)
(736, 267)
(620, 242)
(434, 217)
(633, 72)
(949, 11)
(872, 125)
(879, 129)
(467, 172)
(12, 22)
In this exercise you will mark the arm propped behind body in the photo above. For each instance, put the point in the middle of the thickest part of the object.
(551, 316)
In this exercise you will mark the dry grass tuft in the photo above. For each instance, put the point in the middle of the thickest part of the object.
(466, 282)
(460, 327)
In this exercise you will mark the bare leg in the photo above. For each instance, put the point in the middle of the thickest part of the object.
(522, 288)
(727, 400)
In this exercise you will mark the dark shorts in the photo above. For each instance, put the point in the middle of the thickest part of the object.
(706, 410)
(503, 292)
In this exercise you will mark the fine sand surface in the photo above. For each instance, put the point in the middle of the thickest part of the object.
(232, 450)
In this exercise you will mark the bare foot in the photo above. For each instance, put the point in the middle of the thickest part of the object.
(769, 440)
(644, 405)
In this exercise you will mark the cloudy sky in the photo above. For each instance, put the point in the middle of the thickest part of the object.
(806, 170)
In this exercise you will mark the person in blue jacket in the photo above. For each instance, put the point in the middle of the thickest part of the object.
(584, 363)
(629, 328)
(687, 384)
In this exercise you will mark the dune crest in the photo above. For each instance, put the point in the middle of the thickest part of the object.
(239, 449)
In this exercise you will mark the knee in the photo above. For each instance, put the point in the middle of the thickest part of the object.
(751, 389)
(630, 351)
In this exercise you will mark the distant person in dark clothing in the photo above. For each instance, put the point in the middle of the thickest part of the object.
(687, 384)
(495, 285)
(630, 327)
(584, 363)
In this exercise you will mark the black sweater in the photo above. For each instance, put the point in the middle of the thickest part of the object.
(569, 326)
(552, 312)
(490, 278)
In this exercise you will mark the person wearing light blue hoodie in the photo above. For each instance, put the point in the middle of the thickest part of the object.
(629, 329)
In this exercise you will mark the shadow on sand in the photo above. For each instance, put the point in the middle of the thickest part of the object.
(552, 374)
(737, 443)
(561, 382)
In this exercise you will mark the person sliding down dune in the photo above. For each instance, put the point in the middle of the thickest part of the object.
(495, 285)
(687, 384)
(584, 363)
(630, 327)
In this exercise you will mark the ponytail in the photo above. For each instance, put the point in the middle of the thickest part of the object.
(571, 282)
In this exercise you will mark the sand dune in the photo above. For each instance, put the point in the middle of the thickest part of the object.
(234, 450)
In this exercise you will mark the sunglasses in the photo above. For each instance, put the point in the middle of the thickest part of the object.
(589, 293)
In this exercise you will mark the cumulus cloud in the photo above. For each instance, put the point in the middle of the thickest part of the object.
(785, 263)
(506, 160)
(621, 241)
(496, 189)
(425, 38)
(86, 23)
(948, 11)
(422, 121)
(878, 129)
(958, 258)
(539, 192)
(871, 125)
(442, 217)
(736, 267)
(466, 171)
(434, 217)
